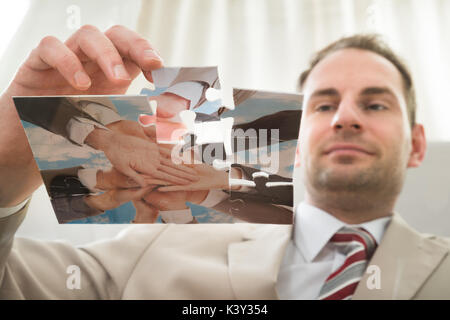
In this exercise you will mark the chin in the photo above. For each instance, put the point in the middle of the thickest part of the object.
(340, 179)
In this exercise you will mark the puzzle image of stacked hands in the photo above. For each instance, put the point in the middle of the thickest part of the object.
(173, 154)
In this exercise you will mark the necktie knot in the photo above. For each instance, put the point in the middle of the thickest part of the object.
(358, 245)
(349, 239)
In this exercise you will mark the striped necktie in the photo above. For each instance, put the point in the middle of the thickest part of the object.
(358, 245)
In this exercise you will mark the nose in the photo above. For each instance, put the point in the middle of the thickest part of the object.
(347, 117)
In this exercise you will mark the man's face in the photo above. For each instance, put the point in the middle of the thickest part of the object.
(355, 134)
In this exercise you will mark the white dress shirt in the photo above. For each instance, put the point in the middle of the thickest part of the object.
(309, 257)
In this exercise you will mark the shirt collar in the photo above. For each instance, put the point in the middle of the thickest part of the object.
(313, 228)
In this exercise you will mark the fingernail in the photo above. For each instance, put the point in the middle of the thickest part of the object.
(121, 73)
(82, 79)
(152, 54)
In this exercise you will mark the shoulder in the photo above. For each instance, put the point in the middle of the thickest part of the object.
(437, 284)
(403, 229)
(443, 241)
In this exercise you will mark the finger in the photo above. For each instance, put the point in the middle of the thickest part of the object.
(148, 167)
(132, 68)
(169, 178)
(102, 180)
(116, 197)
(102, 202)
(114, 179)
(99, 48)
(52, 53)
(132, 46)
(177, 188)
(165, 152)
(181, 167)
(157, 182)
(125, 195)
(178, 173)
(135, 176)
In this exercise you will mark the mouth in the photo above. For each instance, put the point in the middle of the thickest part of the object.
(347, 149)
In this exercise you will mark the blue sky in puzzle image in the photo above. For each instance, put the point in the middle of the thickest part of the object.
(263, 103)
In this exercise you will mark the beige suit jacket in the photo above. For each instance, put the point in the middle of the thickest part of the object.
(239, 261)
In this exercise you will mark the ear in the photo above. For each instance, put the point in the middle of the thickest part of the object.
(419, 145)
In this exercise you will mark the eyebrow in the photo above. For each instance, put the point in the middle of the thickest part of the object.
(365, 92)
(377, 90)
(325, 92)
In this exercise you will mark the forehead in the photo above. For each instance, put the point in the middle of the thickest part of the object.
(354, 69)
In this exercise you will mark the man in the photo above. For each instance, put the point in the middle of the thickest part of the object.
(358, 135)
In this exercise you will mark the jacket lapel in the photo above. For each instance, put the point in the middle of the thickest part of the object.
(404, 259)
(255, 261)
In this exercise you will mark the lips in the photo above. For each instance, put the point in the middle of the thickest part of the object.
(347, 148)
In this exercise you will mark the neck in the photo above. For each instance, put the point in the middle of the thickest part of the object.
(352, 208)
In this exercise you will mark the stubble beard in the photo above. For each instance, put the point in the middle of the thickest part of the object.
(365, 188)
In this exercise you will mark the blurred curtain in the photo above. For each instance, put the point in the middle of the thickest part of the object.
(259, 44)
(265, 44)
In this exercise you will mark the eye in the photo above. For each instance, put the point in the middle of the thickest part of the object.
(376, 107)
(324, 108)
